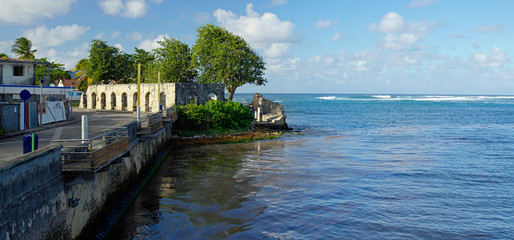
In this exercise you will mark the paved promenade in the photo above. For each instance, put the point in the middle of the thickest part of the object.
(98, 121)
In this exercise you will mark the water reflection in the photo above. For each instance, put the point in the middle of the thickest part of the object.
(201, 192)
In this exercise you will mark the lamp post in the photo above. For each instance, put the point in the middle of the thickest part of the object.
(41, 81)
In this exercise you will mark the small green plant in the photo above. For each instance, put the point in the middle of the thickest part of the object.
(215, 117)
(2, 131)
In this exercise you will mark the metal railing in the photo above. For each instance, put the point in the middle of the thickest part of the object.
(94, 153)
(151, 123)
(169, 114)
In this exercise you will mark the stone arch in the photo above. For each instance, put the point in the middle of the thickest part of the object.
(134, 102)
(84, 100)
(103, 101)
(213, 96)
(163, 101)
(192, 98)
(113, 101)
(124, 101)
(147, 102)
(93, 100)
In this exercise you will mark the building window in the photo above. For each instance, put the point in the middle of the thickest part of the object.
(18, 71)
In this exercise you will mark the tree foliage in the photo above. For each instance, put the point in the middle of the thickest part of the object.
(107, 64)
(222, 57)
(80, 74)
(57, 71)
(22, 47)
(173, 59)
(214, 115)
(3, 56)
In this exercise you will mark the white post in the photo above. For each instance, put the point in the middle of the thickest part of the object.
(84, 128)
(40, 104)
(139, 93)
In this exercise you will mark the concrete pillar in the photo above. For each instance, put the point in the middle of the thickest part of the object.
(84, 128)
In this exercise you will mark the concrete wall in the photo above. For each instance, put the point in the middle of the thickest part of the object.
(8, 77)
(32, 199)
(124, 96)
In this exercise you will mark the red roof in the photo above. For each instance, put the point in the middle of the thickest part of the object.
(71, 82)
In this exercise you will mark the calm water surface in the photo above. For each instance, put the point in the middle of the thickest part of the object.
(365, 167)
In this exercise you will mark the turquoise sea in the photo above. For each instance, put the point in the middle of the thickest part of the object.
(364, 167)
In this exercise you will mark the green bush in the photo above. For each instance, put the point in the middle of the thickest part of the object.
(214, 115)
(2, 131)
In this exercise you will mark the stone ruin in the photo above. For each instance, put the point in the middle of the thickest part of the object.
(268, 114)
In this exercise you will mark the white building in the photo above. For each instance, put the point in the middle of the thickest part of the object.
(45, 105)
(18, 71)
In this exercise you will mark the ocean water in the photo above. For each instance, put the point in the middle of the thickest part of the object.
(364, 167)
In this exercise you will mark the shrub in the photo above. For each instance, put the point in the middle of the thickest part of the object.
(2, 131)
(214, 115)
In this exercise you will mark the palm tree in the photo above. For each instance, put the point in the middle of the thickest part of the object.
(23, 48)
(80, 74)
(3, 56)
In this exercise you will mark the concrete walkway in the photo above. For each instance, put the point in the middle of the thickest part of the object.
(11, 144)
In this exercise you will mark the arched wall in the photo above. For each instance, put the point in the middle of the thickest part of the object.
(172, 94)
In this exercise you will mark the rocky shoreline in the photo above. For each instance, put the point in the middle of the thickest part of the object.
(227, 138)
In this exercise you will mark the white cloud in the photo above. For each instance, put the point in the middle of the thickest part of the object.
(400, 35)
(149, 44)
(28, 11)
(496, 59)
(99, 35)
(119, 46)
(422, 3)
(111, 7)
(326, 23)
(266, 32)
(115, 34)
(5, 46)
(400, 41)
(42, 36)
(489, 29)
(68, 58)
(136, 36)
(135, 9)
(338, 37)
(391, 22)
(278, 2)
(126, 8)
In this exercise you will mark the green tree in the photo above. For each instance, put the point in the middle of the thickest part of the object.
(146, 59)
(57, 71)
(108, 64)
(80, 74)
(219, 56)
(173, 60)
(23, 48)
(3, 56)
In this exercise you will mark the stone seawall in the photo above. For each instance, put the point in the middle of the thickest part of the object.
(38, 202)
(97, 193)
(32, 199)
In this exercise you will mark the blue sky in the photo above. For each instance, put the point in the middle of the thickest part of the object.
(409, 46)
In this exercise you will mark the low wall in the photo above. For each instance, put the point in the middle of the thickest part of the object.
(96, 194)
(32, 199)
(38, 202)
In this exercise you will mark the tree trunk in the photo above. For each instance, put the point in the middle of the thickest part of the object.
(231, 94)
